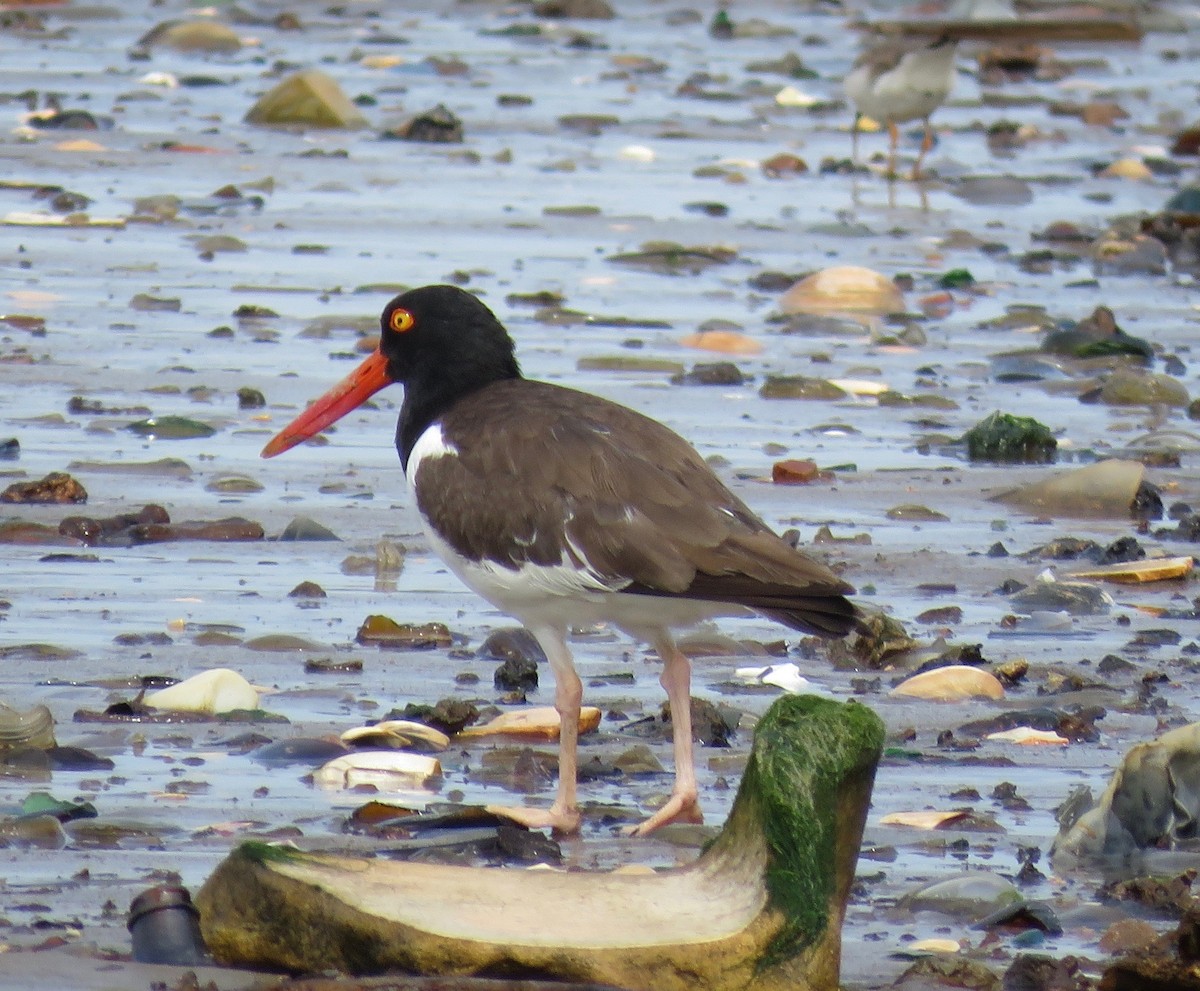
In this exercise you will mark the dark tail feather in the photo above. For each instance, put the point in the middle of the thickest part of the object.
(825, 616)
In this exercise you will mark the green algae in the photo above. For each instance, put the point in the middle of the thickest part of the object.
(805, 748)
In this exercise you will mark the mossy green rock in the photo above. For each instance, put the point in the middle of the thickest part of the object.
(760, 909)
(306, 99)
(1011, 439)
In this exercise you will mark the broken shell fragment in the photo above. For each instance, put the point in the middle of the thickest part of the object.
(1135, 572)
(388, 770)
(1027, 735)
(539, 723)
(212, 691)
(397, 734)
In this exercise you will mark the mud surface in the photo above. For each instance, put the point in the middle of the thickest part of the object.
(331, 223)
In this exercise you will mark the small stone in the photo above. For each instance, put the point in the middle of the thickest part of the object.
(800, 387)
(1128, 936)
(170, 428)
(516, 674)
(303, 528)
(385, 632)
(584, 10)
(144, 302)
(795, 472)
(57, 487)
(712, 373)
(783, 165)
(250, 398)
(436, 126)
(307, 99)
(204, 36)
(307, 590)
(914, 513)
(234, 485)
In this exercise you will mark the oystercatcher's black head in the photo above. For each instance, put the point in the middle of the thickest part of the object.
(439, 341)
(443, 333)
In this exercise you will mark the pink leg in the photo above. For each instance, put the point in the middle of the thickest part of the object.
(563, 815)
(854, 140)
(893, 144)
(676, 679)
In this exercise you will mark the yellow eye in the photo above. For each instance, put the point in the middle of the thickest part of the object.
(401, 320)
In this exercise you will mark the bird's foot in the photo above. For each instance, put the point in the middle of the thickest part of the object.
(561, 822)
(679, 808)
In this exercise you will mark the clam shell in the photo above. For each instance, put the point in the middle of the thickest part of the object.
(32, 728)
(212, 691)
(396, 734)
(844, 289)
(388, 770)
(950, 684)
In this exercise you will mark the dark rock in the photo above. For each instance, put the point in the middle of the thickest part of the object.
(583, 10)
(512, 643)
(307, 590)
(1169, 963)
(1122, 550)
(1147, 503)
(1095, 336)
(522, 846)
(516, 674)
(712, 373)
(448, 715)
(436, 126)
(250, 398)
(1036, 972)
(303, 528)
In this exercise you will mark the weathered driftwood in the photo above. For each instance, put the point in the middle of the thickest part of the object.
(760, 909)
(1044, 30)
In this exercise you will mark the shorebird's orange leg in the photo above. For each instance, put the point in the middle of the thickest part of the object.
(926, 145)
(563, 815)
(682, 806)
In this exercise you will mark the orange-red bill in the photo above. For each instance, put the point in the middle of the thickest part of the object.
(350, 393)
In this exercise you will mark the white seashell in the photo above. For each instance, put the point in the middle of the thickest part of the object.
(1028, 735)
(637, 153)
(164, 79)
(388, 770)
(397, 733)
(212, 691)
(789, 96)
(934, 945)
(786, 676)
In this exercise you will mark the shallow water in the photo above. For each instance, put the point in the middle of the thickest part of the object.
(394, 213)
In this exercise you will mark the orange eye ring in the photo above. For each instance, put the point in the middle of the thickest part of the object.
(401, 320)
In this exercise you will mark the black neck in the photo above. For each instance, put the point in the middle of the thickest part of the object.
(427, 397)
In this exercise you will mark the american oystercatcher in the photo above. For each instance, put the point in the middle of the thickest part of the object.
(560, 507)
(896, 82)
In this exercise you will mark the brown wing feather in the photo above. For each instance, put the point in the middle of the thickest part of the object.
(619, 493)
